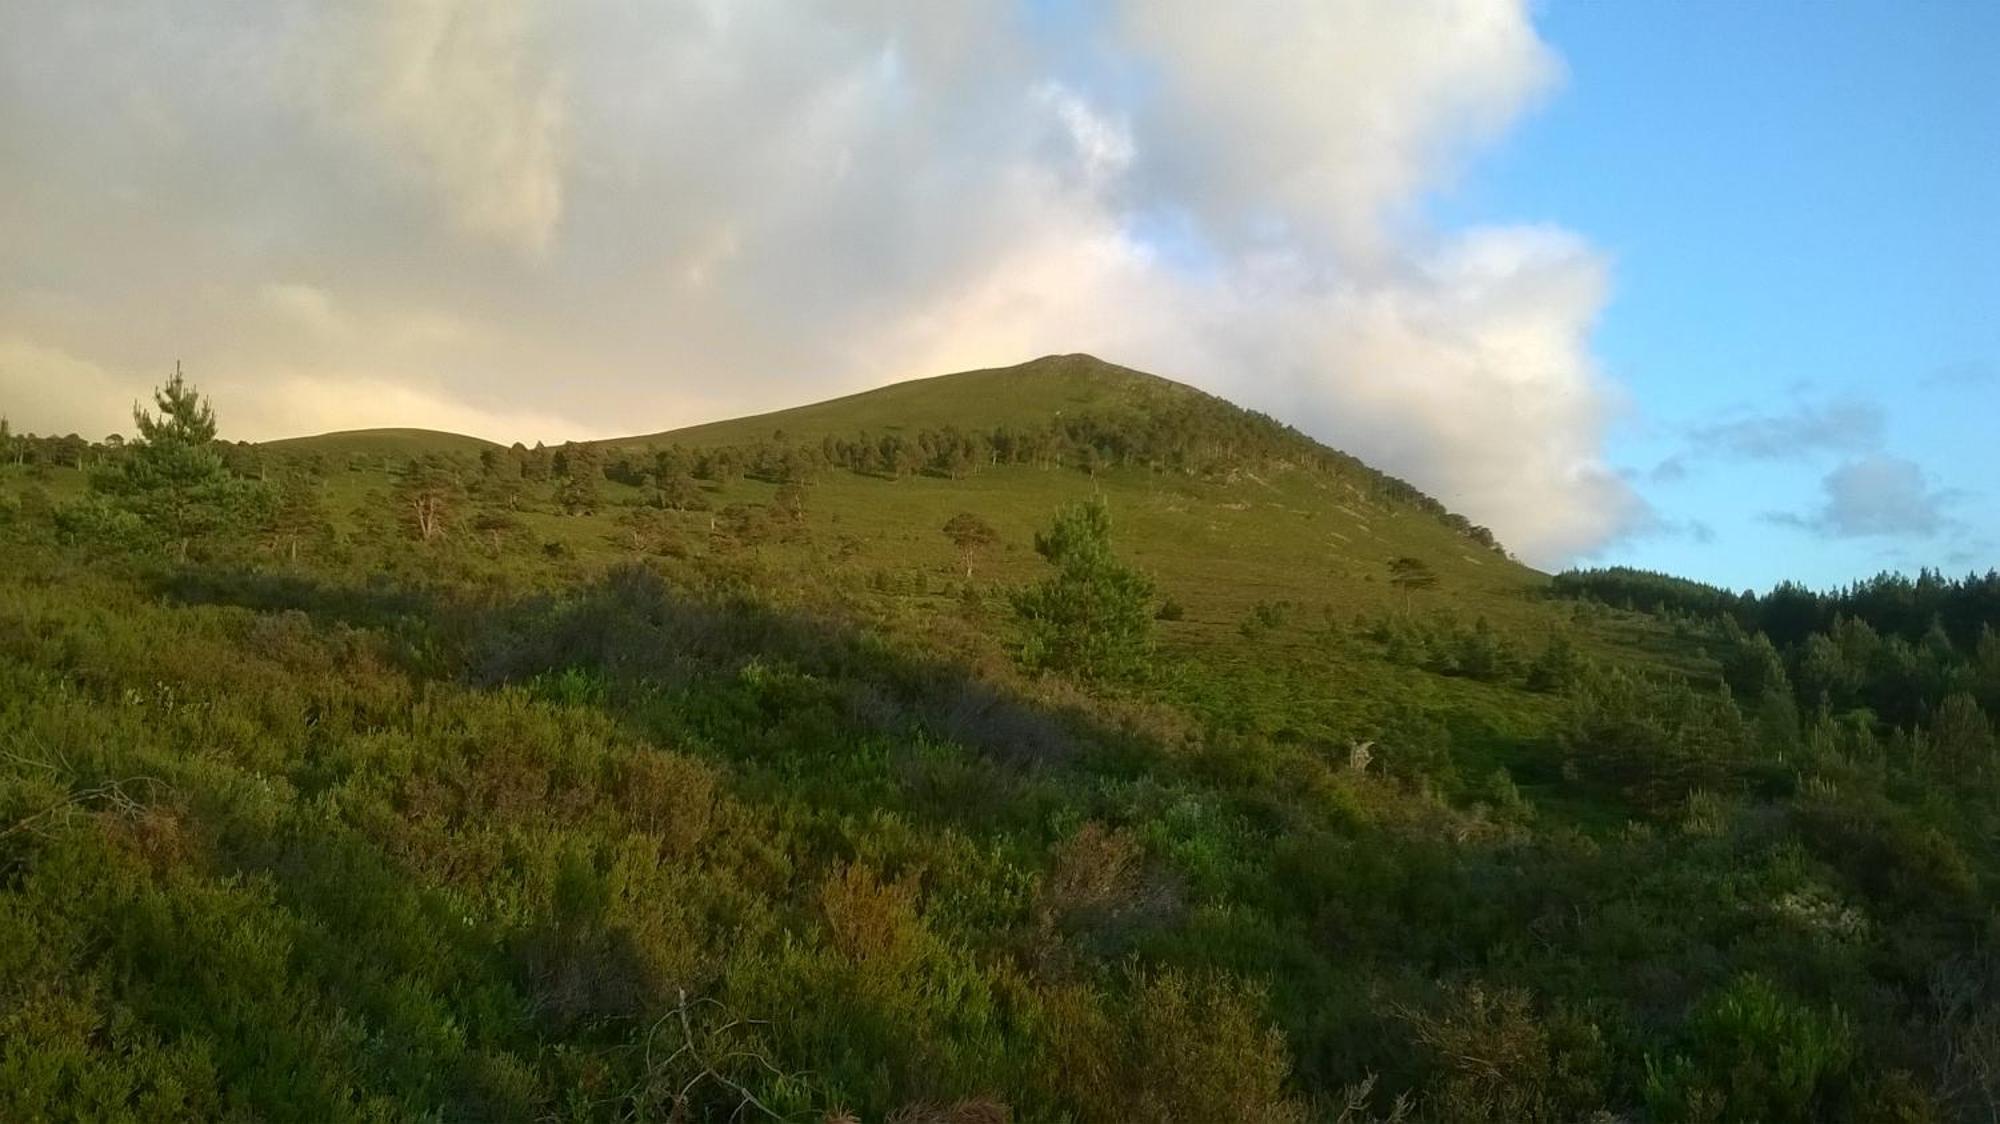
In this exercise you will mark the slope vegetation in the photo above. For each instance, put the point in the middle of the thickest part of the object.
(400, 443)
(1028, 394)
(957, 753)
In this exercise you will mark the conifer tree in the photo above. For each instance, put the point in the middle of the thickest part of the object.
(1961, 743)
(298, 518)
(500, 478)
(582, 490)
(1754, 668)
(1410, 574)
(176, 480)
(648, 530)
(428, 493)
(673, 481)
(971, 535)
(1093, 617)
(788, 504)
(498, 526)
(536, 464)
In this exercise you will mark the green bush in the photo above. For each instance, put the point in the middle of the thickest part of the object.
(1753, 1055)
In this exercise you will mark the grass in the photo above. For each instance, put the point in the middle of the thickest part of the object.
(401, 443)
(1025, 394)
(1221, 544)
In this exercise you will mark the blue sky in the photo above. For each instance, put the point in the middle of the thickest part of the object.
(1801, 204)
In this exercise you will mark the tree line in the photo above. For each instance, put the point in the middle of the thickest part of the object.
(1890, 603)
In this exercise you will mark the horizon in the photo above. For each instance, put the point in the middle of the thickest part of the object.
(1700, 293)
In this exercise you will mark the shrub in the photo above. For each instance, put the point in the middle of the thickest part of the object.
(1753, 1056)
(1193, 1050)
(1498, 1062)
(1557, 666)
(1265, 617)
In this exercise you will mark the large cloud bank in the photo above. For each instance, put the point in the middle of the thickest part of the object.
(544, 221)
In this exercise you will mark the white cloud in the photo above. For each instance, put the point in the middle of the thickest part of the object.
(453, 95)
(1327, 119)
(1877, 496)
(1103, 146)
(600, 218)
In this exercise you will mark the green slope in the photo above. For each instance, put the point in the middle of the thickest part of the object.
(1025, 394)
(601, 810)
(1221, 544)
(392, 442)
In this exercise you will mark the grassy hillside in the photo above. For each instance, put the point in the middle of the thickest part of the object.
(704, 777)
(1219, 544)
(401, 443)
(1020, 395)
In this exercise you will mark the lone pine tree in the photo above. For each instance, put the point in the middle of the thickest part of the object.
(1410, 574)
(175, 478)
(971, 535)
(1093, 617)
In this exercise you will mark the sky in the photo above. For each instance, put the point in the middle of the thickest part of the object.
(1704, 287)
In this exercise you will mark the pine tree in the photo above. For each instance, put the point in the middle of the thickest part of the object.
(649, 530)
(1093, 617)
(298, 518)
(1986, 668)
(498, 526)
(176, 479)
(673, 481)
(1961, 740)
(1409, 574)
(582, 490)
(428, 493)
(680, 493)
(788, 504)
(720, 466)
(536, 464)
(500, 478)
(970, 534)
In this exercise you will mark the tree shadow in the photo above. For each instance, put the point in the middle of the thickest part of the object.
(380, 602)
(644, 640)
(647, 639)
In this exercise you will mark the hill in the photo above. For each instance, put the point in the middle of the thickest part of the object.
(401, 443)
(1278, 518)
(1024, 395)
(962, 754)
